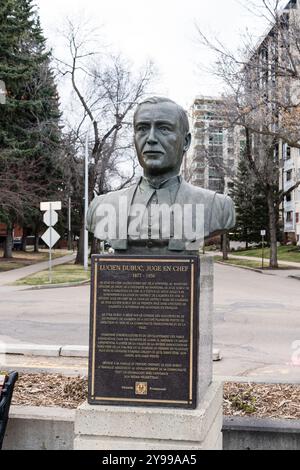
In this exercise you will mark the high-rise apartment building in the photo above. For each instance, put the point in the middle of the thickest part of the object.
(267, 64)
(213, 157)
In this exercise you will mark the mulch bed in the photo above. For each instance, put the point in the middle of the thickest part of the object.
(240, 399)
(49, 390)
(262, 400)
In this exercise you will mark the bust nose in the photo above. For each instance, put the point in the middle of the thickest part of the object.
(151, 139)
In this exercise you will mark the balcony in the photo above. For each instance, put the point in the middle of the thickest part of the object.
(289, 206)
(289, 227)
(198, 166)
(288, 184)
(288, 164)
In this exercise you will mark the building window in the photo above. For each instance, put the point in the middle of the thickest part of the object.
(289, 216)
(297, 217)
(214, 172)
(216, 139)
(289, 175)
(288, 152)
(276, 152)
(289, 197)
(209, 116)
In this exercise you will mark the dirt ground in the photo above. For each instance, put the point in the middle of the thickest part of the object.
(240, 399)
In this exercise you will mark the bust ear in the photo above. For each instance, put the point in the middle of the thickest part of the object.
(187, 142)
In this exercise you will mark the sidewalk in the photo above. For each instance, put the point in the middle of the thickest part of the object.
(294, 272)
(283, 263)
(14, 275)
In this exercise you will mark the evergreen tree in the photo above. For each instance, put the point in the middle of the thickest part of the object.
(251, 205)
(29, 120)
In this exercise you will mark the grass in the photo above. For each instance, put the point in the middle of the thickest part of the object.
(240, 262)
(247, 263)
(285, 253)
(62, 274)
(21, 259)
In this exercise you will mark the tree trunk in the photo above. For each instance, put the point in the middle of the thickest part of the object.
(24, 239)
(225, 246)
(70, 241)
(36, 240)
(80, 248)
(8, 244)
(246, 238)
(95, 247)
(273, 231)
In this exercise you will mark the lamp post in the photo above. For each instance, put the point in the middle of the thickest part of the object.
(263, 234)
(86, 202)
(69, 223)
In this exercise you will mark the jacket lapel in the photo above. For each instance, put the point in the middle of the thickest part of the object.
(122, 212)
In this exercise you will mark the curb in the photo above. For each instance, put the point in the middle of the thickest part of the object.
(47, 350)
(295, 277)
(257, 379)
(260, 271)
(243, 267)
(53, 350)
(55, 286)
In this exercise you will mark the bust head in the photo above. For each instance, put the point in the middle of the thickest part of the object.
(161, 136)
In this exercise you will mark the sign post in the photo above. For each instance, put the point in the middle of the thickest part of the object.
(263, 234)
(50, 237)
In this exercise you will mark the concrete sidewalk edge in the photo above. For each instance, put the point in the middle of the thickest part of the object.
(248, 268)
(47, 350)
(55, 286)
(53, 350)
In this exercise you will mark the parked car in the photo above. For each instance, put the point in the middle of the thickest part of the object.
(17, 243)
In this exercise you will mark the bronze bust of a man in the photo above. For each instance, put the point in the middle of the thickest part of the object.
(161, 213)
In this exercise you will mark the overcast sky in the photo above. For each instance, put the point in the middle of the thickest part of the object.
(161, 30)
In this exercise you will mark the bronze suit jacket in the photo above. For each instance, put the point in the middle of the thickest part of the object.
(219, 212)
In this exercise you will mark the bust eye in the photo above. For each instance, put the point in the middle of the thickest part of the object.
(141, 128)
(164, 129)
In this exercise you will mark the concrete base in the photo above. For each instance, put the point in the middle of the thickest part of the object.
(244, 433)
(39, 428)
(126, 428)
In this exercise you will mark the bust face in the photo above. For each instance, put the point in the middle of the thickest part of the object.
(159, 139)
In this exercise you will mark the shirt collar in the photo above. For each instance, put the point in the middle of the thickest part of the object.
(174, 180)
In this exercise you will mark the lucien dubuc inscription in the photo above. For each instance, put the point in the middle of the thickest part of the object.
(143, 330)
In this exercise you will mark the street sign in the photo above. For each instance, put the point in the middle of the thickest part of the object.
(50, 218)
(263, 234)
(50, 237)
(46, 206)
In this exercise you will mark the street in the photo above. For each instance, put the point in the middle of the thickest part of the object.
(256, 324)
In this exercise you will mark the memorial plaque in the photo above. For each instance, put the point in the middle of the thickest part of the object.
(143, 330)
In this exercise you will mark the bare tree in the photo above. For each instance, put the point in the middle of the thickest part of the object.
(107, 91)
(262, 95)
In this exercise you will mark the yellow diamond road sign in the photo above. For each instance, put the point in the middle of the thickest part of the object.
(50, 237)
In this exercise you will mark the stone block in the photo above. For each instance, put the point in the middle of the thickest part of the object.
(158, 428)
(39, 428)
(205, 354)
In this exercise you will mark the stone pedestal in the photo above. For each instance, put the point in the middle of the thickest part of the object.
(205, 334)
(141, 428)
(117, 427)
